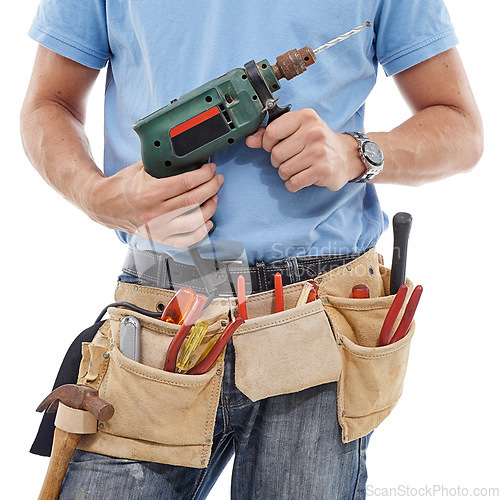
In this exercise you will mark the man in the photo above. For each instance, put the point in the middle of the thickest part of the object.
(311, 203)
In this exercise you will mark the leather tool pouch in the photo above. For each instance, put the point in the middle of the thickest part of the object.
(159, 416)
(372, 377)
(284, 352)
(169, 418)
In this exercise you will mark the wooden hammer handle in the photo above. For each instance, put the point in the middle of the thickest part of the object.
(63, 447)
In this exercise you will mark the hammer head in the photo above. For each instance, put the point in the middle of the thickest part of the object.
(79, 397)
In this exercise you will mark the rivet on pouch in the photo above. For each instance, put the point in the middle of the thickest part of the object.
(349, 268)
(371, 272)
(208, 441)
(105, 355)
(340, 342)
(319, 280)
(325, 301)
(101, 426)
(223, 323)
(136, 288)
(219, 372)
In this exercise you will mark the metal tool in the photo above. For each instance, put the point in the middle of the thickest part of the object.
(130, 338)
(401, 225)
(341, 38)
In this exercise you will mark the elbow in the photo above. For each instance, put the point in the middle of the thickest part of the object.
(475, 142)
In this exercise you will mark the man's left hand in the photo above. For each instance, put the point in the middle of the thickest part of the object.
(306, 151)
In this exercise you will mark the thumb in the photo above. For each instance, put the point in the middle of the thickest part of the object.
(255, 140)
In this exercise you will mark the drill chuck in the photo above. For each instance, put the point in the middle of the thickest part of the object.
(293, 63)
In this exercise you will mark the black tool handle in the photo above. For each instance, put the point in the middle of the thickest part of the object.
(401, 225)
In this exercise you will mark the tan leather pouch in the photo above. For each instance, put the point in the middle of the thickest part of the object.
(159, 416)
(284, 352)
(372, 377)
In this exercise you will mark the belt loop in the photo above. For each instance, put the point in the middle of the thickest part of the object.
(261, 275)
(293, 270)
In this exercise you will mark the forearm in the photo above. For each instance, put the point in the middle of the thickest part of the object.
(57, 146)
(435, 143)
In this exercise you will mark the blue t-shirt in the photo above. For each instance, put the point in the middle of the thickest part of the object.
(158, 51)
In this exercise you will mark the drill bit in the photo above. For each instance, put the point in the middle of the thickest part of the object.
(341, 38)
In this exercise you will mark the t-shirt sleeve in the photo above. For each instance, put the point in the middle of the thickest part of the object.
(75, 29)
(411, 31)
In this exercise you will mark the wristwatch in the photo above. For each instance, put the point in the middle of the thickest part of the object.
(371, 155)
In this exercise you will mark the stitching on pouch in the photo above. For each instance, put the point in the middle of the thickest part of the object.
(373, 356)
(372, 307)
(157, 379)
(268, 324)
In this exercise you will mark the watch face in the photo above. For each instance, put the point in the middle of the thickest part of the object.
(373, 154)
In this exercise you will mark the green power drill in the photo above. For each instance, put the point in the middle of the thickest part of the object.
(181, 136)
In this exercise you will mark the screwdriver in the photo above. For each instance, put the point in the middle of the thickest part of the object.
(220, 344)
(360, 292)
(192, 343)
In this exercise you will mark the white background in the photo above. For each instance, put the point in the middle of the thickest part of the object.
(59, 269)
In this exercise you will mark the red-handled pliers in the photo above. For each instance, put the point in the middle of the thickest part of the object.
(392, 314)
(205, 364)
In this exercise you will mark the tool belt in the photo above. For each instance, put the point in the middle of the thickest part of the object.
(169, 417)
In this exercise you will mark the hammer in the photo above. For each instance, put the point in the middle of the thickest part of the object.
(78, 410)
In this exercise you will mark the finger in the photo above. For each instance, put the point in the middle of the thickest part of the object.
(255, 140)
(301, 180)
(179, 184)
(287, 149)
(280, 129)
(188, 239)
(191, 221)
(194, 198)
(294, 165)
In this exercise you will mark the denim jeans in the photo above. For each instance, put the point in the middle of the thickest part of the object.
(286, 447)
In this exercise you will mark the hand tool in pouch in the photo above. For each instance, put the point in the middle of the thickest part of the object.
(360, 292)
(78, 410)
(401, 225)
(211, 357)
(175, 345)
(130, 338)
(242, 298)
(279, 298)
(396, 306)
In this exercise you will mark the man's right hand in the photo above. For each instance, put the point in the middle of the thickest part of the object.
(175, 211)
